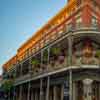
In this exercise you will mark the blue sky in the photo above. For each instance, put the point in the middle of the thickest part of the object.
(19, 20)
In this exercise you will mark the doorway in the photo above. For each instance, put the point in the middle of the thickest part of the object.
(88, 90)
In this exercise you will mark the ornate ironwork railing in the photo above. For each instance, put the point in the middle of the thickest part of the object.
(77, 61)
(56, 65)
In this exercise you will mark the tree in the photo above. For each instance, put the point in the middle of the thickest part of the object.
(7, 85)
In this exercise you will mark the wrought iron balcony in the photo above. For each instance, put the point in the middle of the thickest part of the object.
(77, 60)
(80, 26)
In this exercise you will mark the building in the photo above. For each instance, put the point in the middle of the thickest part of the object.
(62, 60)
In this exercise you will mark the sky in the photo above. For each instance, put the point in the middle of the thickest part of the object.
(20, 19)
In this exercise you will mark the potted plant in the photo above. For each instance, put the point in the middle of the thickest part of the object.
(98, 55)
(12, 74)
(35, 63)
(55, 51)
(45, 56)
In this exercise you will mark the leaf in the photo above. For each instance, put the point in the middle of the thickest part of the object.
(35, 62)
(55, 51)
(98, 53)
(7, 85)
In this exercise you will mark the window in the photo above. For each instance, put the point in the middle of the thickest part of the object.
(94, 21)
(79, 22)
(69, 27)
(79, 2)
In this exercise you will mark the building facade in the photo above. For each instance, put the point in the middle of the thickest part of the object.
(62, 60)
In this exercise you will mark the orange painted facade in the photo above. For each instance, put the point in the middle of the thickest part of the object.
(54, 26)
(56, 20)
(10, 63)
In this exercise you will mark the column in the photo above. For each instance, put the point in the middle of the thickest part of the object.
(70, 40)
(28, 95)
(99, 90)
(48, 61)
(70, 85)
(41, 61)
(20, 92)
(70, 49)
(9, 94)
(16, 70)
(62, 92)
(14, 94)
(32, 95)
(30, 67)
(74, 91)
(51, 93)
(54, 93)
(47, 89)
(41, 90)
(36, 94)
(21, 69)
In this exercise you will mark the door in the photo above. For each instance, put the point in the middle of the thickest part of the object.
(88, 90)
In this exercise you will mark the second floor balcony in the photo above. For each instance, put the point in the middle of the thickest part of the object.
(81, 51)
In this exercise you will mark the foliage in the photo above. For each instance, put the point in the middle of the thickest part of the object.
(12, 75)
(7, 85)
(98, 53)
(35, 62)
(45, 55)
(55, 51)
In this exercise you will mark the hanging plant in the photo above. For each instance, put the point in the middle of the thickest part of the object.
(45, 55)
(13, 75)
(98, 54)
(55, 51)
(35, 62)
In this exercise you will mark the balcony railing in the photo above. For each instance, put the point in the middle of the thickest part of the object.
(62, 61)
(80, 61)
(80, 26)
